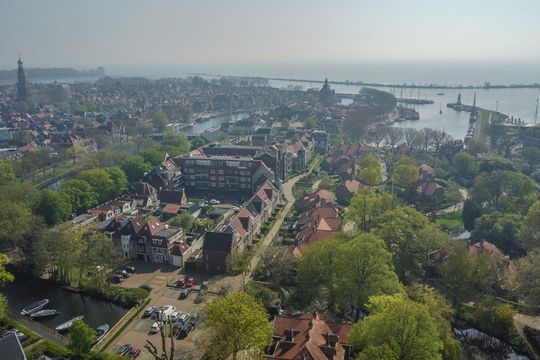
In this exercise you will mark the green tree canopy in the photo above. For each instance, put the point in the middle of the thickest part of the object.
(370, 171)
(160, 121)
(119, 179)
(22, 193)
(184, 221)
(530, 228)
(366, 205)
(411, 237)
(80, 194)
(310, 123)
(81, 338)
(54, 207)
(175, 144)
(7, 175)
(135, 167)
(152, 156)
(15, 224)
(528, 278)
(365, 268)
(464, 164)
(101, 183)
(492, 162)
(232, 318)
(505, 191)
(500, 229)
(397, 328)
(405, 171)
(462, 275)
(442, 312)
(532, 157)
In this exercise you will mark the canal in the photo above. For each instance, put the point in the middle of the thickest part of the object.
(26, 290)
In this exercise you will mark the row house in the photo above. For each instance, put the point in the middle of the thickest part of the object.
(166, 176)
(147, 240)
(240, 230)
(112, 209)
(316, 224)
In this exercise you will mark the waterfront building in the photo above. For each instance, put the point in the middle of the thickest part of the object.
(327, 96)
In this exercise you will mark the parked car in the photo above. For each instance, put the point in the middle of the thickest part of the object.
(214, 201)
(200, 296)
(117, 278)
(155, 327)
(193, 319)
(184, 293)
(146, 287)
(183, 318)
(184, 331)
(236, 208)
(129, 269)
(149, 311)
(174, 316)
(190, 282)
(134, 352)
(124, 349)
(167, 311)
(124, 273)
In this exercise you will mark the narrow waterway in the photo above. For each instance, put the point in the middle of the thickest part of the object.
(26, 290)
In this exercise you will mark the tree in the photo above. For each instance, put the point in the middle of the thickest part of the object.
(119, 179)
(500, 229)
(491, 163)
(15, 224)
(80, 194)
(22, 193)
(145, 129)
(366, 205)
(175, 144)
(366, 269)
(81, 338)
(532, 157)
(160, 121)
(54, 207)
(5, 276)
(442, 312)
(232, 318)
(464, 164)
(370, 173)
(184, 221)
(7, 175)
(405, 172)
(505, 191)
(462, 274)
(310, 123)
(397, 328)
(152, 156)
(101, 183)
(411, 237)
(471, 212)
(355, 125)
(98, 251)
(528, 278)
(285, 124)
(394, 136)
(478, 147)
(278, 268)
(135, 167)
(530, 228)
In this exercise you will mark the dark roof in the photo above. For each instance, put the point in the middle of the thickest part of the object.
(171, 196)
(11, 349)
(218, 241)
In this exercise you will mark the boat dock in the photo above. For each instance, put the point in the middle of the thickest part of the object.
(415, 101)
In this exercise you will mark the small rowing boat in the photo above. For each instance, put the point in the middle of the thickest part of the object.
(101, 331)
(44, 313)
(65, 326)
(32, 308)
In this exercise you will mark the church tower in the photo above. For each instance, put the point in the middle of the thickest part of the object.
(23, 92)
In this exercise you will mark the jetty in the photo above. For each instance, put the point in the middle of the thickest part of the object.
(414, 101)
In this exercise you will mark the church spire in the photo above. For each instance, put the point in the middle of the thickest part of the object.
(23, 91)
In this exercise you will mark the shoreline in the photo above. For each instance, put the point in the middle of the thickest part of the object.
(361, 83)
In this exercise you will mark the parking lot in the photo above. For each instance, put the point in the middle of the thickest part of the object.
(137, 332)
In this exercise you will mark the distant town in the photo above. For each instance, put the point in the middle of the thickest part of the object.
(223, 218)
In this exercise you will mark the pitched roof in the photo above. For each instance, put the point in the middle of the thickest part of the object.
(171, 196)
(309, 337)
(171, 209)
(11, 348)
(218, 241)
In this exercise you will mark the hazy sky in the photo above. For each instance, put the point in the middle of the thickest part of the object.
(137, 32)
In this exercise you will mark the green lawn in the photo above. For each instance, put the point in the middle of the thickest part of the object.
(450, 221)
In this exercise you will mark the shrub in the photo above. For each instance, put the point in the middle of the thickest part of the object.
(127, 297)
(48, 348)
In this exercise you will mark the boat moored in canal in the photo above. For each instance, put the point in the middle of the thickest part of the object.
(65, 326)
(44, 313)
(32, 308)
(101, 331)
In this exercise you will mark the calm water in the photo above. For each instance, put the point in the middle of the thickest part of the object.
(519, 103)
(214, 123)
(25, 291)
